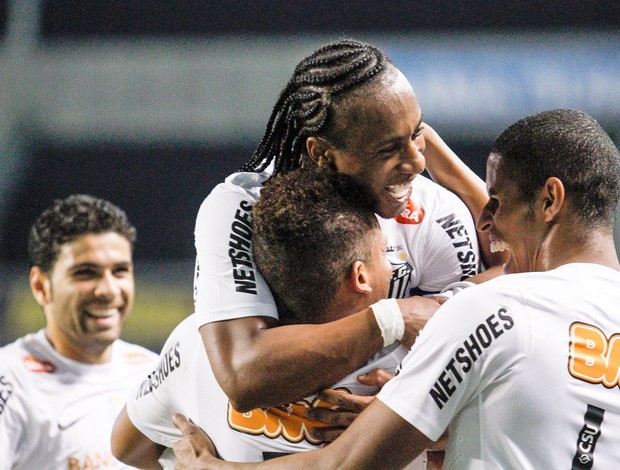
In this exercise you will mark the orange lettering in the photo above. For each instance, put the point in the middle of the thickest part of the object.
(592, 357)
(286, 421)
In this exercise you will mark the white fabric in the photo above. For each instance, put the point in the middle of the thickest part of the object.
(390, 320)
(431, 245)
(185, 383)
(56, 413)
(495, 364)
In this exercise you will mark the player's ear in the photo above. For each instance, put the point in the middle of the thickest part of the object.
(552, 198)
(360, 277)
(320, 151)
(40, 286)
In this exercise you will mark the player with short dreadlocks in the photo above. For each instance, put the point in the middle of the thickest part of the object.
(346, 108)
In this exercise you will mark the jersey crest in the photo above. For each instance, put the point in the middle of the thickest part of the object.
(400, 281)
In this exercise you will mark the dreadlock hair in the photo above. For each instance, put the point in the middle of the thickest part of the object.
(307, 102)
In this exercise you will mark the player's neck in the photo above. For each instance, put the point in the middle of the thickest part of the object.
(596, 247)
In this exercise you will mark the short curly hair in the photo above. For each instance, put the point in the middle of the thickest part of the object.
(310, 226)
(572, 146)
(70, 218)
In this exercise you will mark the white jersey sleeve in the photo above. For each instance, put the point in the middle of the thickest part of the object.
(471, 343)
(184, 382)
(227, 284)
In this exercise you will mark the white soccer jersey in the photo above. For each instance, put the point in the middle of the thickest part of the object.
(183, 382)
(431, 244)
(525, 371)
(56, 413)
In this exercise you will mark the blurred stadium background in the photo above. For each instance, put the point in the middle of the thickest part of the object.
(150, 103)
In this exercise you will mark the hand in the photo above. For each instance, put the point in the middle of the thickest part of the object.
(195, 449)
(416, 312)
(348, 406)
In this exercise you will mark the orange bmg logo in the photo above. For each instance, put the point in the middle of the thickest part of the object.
(593, 357)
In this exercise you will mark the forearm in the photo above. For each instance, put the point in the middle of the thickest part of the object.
(132, 447)
(378, 438)
(258, 366)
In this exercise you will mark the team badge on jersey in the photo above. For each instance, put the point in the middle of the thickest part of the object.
(401, 279)
(413, 214)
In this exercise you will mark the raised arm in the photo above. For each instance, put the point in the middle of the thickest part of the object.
(448, 170)
(258, 364)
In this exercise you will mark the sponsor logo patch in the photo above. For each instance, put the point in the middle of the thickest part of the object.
(592, 356)
(412, 214)
(38, 366)
(587, 438)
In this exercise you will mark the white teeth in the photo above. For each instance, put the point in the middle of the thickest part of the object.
(499, 245)
(399, 190)
(102, 313)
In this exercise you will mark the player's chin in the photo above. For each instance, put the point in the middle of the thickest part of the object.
(388, 207)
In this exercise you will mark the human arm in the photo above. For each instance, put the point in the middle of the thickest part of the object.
(448, 170)
(132, 447)
(252, 359)
(379, 438)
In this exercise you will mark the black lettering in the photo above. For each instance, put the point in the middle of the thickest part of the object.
(246, 206)
(463, 359)
(587, 438)
(467, 257)
(246, 287)
(160, 374)
(177, 354)
(239, 243)
(465, 242)
(242, 275)
(170, 363)
(452, 369)
(438, 395)
(446, 383)
(483, 335)
(240, 258)
(508, 321)
(241, 229)
(244, 215)
(447, 221)
(493, 325)
(456, 230)
(472, 348)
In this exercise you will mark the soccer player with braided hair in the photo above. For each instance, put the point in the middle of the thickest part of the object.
(348, 108)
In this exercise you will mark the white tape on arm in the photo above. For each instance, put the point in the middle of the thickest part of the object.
(390, 320)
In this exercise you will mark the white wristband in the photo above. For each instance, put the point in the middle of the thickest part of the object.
(390, 320)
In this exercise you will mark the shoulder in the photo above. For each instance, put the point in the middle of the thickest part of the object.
(242, 184)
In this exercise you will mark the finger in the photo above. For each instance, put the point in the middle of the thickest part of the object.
(345, 401)
(375, 378)
(326, 434)
(181, 423)
(331, 417)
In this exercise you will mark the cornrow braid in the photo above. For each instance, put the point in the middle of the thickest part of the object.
(307, 100)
